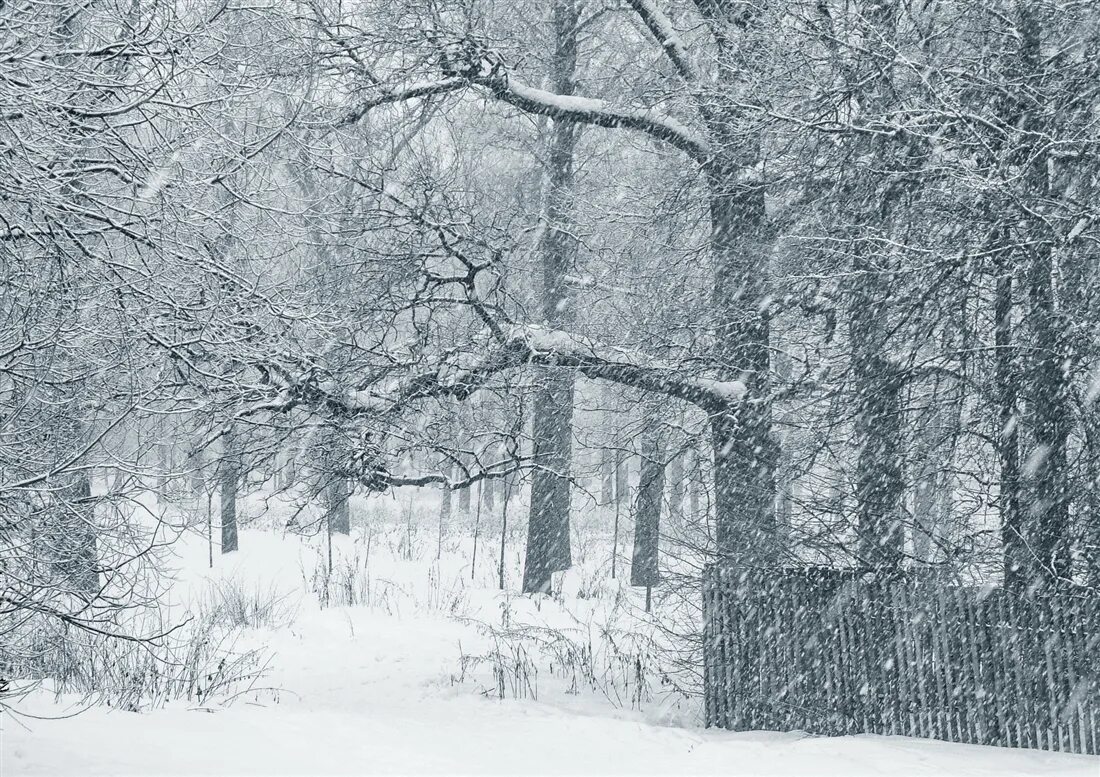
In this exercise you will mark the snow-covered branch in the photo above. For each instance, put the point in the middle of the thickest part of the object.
(660, 26)
(579, 110)
(409, 91)
(586, 110)
(556, 348)
(517, 346)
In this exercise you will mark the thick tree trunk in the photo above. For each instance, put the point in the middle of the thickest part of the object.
(644, 567)
(548, 526)
(196, 477)
(744, 484)
(1045, 470)
(1089, 510)
(230, 473)
(877, 387)
(877, 381)
(607, 476)
(879, 483)
(784, 491)
(464, 498)
(339, 508)
(934, 490)
(622, 476)
(548, 548)
(744, 455)
(1007, 435)
(676, 489)
(80, 554)
(694, 483)
(1045, 466)
(487, 494)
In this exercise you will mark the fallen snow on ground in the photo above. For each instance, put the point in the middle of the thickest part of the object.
(375, 689)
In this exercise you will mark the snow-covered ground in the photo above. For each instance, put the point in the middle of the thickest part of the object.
(382, 688)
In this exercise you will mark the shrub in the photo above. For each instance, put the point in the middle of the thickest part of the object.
(227, 602)
(196, 661)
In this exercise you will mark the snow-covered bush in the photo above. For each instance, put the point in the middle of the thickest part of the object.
(606, 651)
(231, 603)
(145, 665)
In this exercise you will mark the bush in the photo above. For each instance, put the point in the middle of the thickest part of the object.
(620, 664)
(196, 661)
(227, 602)
(350, 583)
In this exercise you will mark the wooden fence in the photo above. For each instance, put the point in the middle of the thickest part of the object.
(828, 653)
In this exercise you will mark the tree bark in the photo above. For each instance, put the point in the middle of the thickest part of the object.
(1045, 468)
(644, 567)
(607, 476)
(877, 386)
(877, 381)
(784, 492)
(464, 497)
(676, 488)
(339, 508)
(230, 481)
(548, 548)
(1007, 435)
(694, 483)
(744, 455)
(79, 541)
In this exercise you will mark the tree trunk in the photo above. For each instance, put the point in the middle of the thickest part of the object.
(622, 500)
(503, 531)
(744, 484)
(1045, 466)
(879, 483)
(445, 495)
(196, 477)
(548, 526)
(464, 495)
(622, 476)
(784, 492)
(694, 483)
(676, 489)
(744, 455)
(164, 458)
(607, 476)
(934, 524)
(1007, 435)
(487, 494)
(230, 480)
(1089, 510)
(1045, 469)
(339, 508)
(878, 382)
(877, 387)
(644, 566)
(79, 540)
(548, 548)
